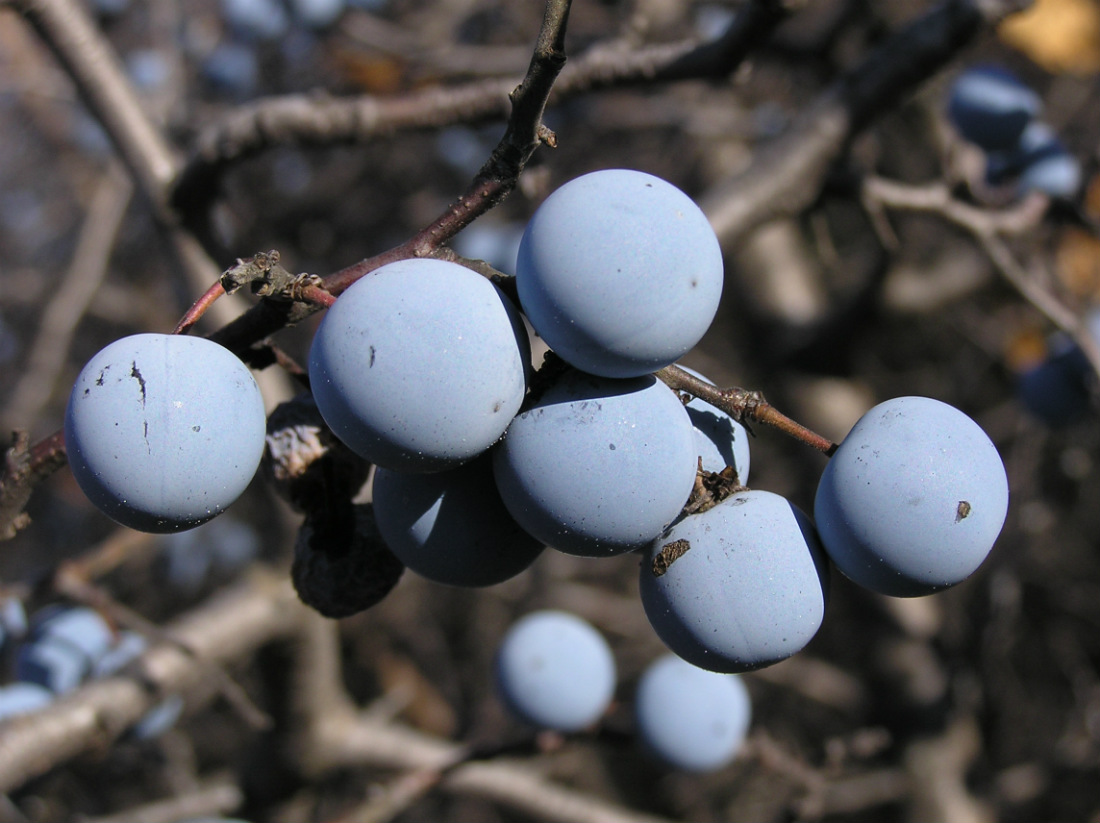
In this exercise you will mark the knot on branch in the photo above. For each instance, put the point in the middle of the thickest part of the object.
(744, 404)
(265, 277)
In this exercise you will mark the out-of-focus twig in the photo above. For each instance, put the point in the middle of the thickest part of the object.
(321, 119)
(69, 582)
(989, 228)
(332, 734)
(452, 58)
(938, 769)
(228, 627)
(24, 466)
(78, 286)
(70, 32)
(214, 799)
(786, 176)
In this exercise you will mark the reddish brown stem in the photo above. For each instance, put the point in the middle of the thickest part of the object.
(498, 177)
(764, 412)
(318, 296)
(199, 308)
(744, 405)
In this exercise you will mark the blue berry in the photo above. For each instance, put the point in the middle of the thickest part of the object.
(1047, 165)
(261, 19)
(620, 273)
(736, 587)
(555, 671)
(452, 527)
(23, 698)
(720, 440)
(690, 718)
(991, 107)
(232, 69)
(420, 365)
(914, 498)
(163, 432)
(63, 648)
(318, 14)
(1057, 390)
(598, 466)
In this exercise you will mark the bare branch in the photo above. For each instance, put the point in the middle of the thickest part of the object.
(333, 734)
(319, 119)
(24, 467)
(69, 31)
(989, 227)
(498, 177)
(787, 176)
(258, 610)
(743, 405)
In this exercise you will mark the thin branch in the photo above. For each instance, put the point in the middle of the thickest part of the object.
(70, 300)
(68, 581)
(318, 119)
(936, 198)
(88, 57)
(988, 227)
(744, 406)
(357, 740)
(24, 467)
(67, 28)
(500, 174)
(332, 734)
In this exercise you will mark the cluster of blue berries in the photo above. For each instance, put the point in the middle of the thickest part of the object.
(60, 648)
(991, 108)
(423, 368)
(555, 671)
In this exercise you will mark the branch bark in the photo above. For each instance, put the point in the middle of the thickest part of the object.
(318, 119)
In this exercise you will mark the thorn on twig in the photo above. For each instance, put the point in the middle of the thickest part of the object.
(546, 136)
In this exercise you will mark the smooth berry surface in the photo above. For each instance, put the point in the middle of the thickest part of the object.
(619, 272)
(420, 365)
(747, 589)
(720, 440)
(690, 718)
(164, 432)
(914, 498)
(991, 107)
(452, 527)
(555, 671)
(596, 466)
